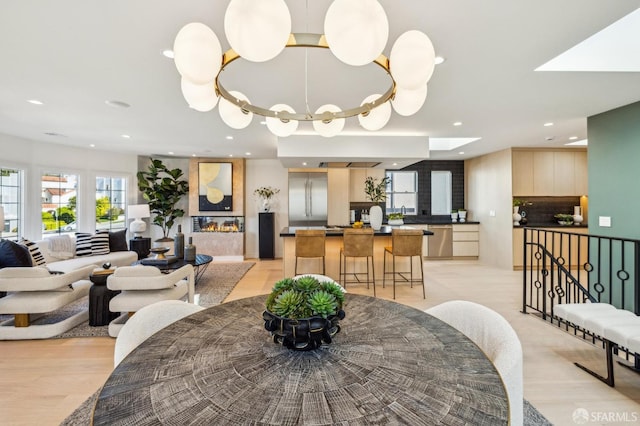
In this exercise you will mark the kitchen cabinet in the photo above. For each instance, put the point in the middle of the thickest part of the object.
(549, 172)
(518, 243)
(356, 182)
(466, 240)
(338, 197)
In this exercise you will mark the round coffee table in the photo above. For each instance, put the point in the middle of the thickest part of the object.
(200, 265)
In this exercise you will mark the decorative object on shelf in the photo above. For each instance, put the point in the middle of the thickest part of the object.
(517, 217)
(564, 219)
(266, 195)
(302, 313)
(138, 212)
(178, 243)
(376, 193)
(577, 215)
(163, 189)
(356, 32)
(159, 252)
(462, 215)
(190, 251)
(454, 215)
(395, 219)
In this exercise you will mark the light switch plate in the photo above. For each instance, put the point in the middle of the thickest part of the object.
(492, 213)
(604, 221)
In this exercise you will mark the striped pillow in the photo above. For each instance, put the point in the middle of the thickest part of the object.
(34, 251)
(100, 242)
(83, 244)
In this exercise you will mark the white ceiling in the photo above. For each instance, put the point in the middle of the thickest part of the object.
(75, 54)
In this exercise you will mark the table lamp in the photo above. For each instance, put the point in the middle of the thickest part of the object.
(137, 212)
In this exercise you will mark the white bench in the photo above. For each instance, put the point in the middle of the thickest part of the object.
(616, 328)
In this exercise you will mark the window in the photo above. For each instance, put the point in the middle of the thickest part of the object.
(402, 192)
(441, 192)
(111, 196)
(11, 200)
(59, 198)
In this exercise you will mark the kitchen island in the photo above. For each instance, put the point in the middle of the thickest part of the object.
(333, 242)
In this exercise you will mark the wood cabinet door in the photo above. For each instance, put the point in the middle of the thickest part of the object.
(543, 168)
(522, 173)
(564, 178)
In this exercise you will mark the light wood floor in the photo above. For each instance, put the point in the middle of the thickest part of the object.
(41, 382)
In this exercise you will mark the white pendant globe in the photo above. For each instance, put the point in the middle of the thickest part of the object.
(412, 60)
(331, 128)
(356, 30)
(408, 102)
(201, 97)
(232, 115)
(197, 53)
(257, 30)
(378, 117)
(277, 126)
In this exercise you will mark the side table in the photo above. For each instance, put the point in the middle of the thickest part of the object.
(142, 246)
(99, 298)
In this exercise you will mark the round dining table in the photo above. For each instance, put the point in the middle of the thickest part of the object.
(389, 364)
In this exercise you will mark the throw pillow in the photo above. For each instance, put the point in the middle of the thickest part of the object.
(83, 244)
(100, 242)
(61, 246)
(34, 251)
(13, 254)
(118, 241)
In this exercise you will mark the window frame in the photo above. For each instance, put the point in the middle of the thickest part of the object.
(18, 203)
(391, 194)
(110, 190)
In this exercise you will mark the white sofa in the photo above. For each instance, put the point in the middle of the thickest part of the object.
(34, 292)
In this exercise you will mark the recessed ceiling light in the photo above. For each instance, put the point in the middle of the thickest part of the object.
(247, 153)
(126, 136)
(230, 155)
(193, 155)
(117, 104)
(461, 152)
(263, 122)
(394, 164)
(549, 124)
(304, 163)
(35, 102)
(583, 142)
(573, 138)
(439, 60)
(93, 145)
(230, 138)
(458, 123)
(168, 53)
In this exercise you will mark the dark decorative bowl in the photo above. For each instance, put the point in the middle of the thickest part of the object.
(302, 334)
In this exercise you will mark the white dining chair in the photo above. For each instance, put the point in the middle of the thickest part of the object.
(497, 339)
(146, 322)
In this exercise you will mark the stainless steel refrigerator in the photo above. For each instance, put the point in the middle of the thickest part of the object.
(307, 199)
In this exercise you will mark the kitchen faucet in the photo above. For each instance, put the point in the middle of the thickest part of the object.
(403, 210)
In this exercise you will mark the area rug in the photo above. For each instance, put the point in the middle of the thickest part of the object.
(82, 414)
(213, 287)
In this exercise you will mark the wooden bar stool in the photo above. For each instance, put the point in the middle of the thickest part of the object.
(310, 244)
(404, 243)
(357, 243)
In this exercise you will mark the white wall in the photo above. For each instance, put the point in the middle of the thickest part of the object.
(265, 173)
(488, 188)
(36, 158)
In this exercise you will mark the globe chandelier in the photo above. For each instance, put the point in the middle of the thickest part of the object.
(355, 31)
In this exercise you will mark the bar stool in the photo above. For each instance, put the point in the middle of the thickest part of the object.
(357, 243)
(310, 244)
(404, 243)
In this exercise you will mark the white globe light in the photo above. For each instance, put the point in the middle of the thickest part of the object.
(412, 60)
(197, 53)
(232, 115)
(277, 126)
(408, 102)
(201, 97)
(378, 117)
(331, 128)
(356, 30)
(257, 30)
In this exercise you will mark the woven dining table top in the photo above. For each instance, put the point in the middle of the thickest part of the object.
(390, 364)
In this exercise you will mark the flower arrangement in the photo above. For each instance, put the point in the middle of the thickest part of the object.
(376, 192)
(266, 192)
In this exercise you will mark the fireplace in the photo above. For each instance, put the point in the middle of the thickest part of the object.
(217, 223)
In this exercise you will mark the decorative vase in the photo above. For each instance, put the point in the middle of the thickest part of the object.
(302, 334)
(516, 216)
(265, 206)
(190, 251)
(462, 215)
(454, 217)
(577, 215)
(178, 243)
(375, 217)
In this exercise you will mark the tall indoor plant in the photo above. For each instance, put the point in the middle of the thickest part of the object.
(376, 193)
(163, 189)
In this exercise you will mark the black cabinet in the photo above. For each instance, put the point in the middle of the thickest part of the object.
(266, 235)
(142, 246)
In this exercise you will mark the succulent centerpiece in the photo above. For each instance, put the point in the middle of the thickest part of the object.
(303, 312)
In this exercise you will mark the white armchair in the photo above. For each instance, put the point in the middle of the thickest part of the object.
(140, 286)
(34, 292)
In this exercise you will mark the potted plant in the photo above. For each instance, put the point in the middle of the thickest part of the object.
(266, 194)
(376, 193)
(302, 313)
(564, 219)
(462, 215)
(395, 219)
(163, 189)
(454, 215)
